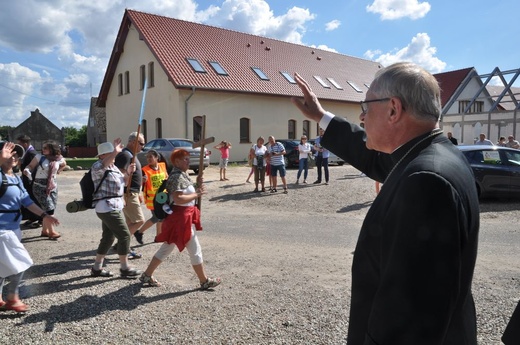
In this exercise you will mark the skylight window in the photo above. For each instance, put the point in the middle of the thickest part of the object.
(288, 77)
(354, 86)
(260, 73)
(324, 84)
(336, 85)
(218, 68)
(195, 64)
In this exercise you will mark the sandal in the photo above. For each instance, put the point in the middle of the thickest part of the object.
(285, 191)
(149, 280)
(17, 306)
(100, 273)
(210, 283)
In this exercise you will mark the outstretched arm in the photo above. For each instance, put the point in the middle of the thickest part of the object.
(310, 106)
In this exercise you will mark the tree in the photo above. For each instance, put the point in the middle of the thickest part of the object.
(76, 137)
(4, 132)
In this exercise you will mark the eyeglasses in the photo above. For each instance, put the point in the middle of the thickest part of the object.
(142, 144)
(364, 104)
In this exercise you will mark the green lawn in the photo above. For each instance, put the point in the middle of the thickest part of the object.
(85, 163)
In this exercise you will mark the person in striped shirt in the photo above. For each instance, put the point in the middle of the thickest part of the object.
(276, 152)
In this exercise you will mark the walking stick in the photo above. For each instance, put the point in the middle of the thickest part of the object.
(134, 152)
(203, 141)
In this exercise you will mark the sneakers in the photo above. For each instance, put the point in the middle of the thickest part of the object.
(138, 237)
(210, 283)
(130, 273)
(149, 280)
(305, 181)
(317, 182)
(100, 273)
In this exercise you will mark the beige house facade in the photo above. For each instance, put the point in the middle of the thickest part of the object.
(239, 106)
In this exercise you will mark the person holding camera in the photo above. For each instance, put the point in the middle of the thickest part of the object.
(258, 153)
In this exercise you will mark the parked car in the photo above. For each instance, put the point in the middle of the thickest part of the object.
(165, 146)
(496, 169)
(333, 159)
(292, 156)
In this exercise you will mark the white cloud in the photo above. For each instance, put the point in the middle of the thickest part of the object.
(17, 84)
(396, 9)
(332, 25)
(418, 51)
(72, 42)
(256, 17)
(324, 47)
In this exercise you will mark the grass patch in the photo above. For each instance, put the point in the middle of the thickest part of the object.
(84, 163)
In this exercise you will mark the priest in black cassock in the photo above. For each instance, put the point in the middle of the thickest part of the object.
(416, 252)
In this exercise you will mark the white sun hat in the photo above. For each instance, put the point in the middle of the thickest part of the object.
(104, 148)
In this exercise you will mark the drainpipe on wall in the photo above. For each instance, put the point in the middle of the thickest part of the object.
(186, 109)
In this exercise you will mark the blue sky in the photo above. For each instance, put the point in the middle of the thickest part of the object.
(54, 53)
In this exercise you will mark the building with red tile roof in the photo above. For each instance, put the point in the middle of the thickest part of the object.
(241, 82)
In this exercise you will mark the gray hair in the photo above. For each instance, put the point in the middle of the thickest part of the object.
(133, 136)
(417, 89)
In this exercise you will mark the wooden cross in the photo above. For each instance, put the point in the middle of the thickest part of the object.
(201, 143)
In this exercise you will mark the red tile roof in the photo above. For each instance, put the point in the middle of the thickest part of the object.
(172, 41)
(450, 82)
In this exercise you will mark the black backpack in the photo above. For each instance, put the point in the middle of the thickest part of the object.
(160, 199)
(88, 190)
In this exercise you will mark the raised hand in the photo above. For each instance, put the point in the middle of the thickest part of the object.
(310, 106)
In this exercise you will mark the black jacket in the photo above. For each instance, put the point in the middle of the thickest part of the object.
(416, 251)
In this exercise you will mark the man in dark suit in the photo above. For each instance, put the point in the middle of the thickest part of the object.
(416, 251)
(453, 140)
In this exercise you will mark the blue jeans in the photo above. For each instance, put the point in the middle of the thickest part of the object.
(303, 164)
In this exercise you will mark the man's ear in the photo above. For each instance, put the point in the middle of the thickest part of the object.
(396, 109)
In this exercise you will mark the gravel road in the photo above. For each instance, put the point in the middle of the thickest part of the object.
(284, 260)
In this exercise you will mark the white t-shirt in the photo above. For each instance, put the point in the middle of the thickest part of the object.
(304, 150)
(259, 151)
